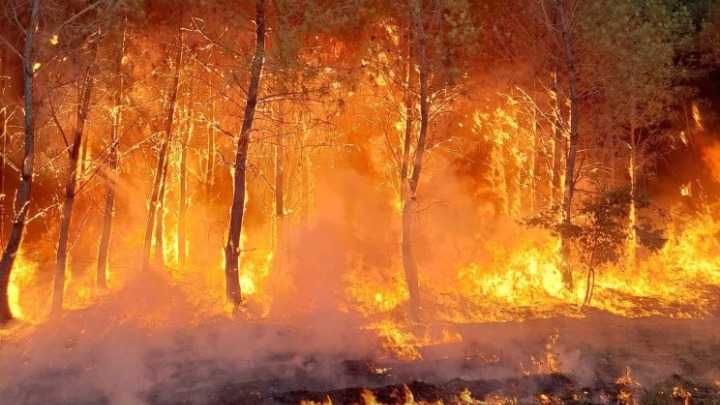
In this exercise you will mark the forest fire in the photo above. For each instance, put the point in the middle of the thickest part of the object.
(360, 202)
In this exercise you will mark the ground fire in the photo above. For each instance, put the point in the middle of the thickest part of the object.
(360, 202)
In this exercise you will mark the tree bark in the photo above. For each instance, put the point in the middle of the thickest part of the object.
(83, 158)
(210, 162)
(410, 195)
(280, 247)
(155, 198)
(102, 265)
(632, 213)
(559, 145)
(183, 206)
(83, 109)
(3, 138)
(237, 210)
(574, 135)
(304, 181)
(572, 139)
(160, 215)
(22, 201)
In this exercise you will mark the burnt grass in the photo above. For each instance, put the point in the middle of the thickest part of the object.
(554, 388)
(670, 361)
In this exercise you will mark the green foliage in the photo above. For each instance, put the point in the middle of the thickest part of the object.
(710, 35)
(630, 56)
(600, 230)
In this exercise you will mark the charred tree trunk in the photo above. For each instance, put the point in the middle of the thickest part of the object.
(237, 211)
(102, 265)
(22, 202)
(156, 196)
(85, 92)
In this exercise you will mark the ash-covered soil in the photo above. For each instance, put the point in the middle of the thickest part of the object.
(600, 358)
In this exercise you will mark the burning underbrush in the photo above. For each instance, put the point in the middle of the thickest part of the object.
(497, 325)
(93, 357)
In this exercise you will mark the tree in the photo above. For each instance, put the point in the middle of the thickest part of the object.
(83, 108)
(427, 43)
(156, 197)
(237, 210)
(29, 57)
(117, 114)
(637, 49)
(600, 231)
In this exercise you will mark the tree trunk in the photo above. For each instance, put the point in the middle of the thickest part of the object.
(408, 257)
(22, 201)
(102, 266)
(210, 162)
(280, 247)
(83, 158)
(573, 139)
(160, 215)
(559, 145)
(85, 92)
(3, 138)
(304, 181)
(183, 206)
(536, 147)
(155, 198)
(410, 195)
(632, 214)
(237, 211)
(572, 144)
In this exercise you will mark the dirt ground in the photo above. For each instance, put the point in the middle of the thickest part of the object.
(228, 361)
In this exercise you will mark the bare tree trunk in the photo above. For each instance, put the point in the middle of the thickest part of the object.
(183, 206)
(156, 197)
(573, 135)
(612, 181)
(632, 214)
(559, 143)
(536, 145)
(160, 215)
(510, 182)
(83, 158)
(22, 202)
(3, 138)
(573, 139)
(304, 181)
(210, 162)
(280, 246)
(237, 211)
(73, 165)
(409, 263)
(101, 275)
